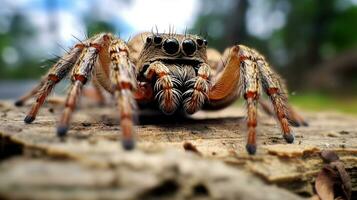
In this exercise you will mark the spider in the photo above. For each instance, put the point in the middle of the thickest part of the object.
(170, 72)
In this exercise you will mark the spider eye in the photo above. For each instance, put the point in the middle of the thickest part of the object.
(199, 42)
(205, 41)
(157, 39)
(171, 46)
(149, 39)
(189, 47)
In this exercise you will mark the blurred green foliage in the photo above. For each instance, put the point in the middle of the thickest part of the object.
(313, 33)
(27, 66)
(324, 102)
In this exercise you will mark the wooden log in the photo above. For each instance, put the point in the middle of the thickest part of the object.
(90, 163)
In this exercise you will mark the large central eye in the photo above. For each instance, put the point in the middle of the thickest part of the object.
(171, 46)
(189, 47)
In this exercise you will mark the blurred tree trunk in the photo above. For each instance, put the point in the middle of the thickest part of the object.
(324, 13)
(312, 34)
(235, 27)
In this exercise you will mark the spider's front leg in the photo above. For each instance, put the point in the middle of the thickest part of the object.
(81, 73)
(115, 72)
(247, 71)
(103, 56)
(124, 85)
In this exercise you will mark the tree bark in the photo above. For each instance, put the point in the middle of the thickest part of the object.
(90, 163)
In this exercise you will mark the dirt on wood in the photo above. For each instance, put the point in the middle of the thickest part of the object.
(182, 158)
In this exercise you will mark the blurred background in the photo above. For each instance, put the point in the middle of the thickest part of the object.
(312, 44)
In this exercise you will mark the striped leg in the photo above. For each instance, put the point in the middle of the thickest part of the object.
(275, 90)
(80, 74)
(123, 78)
(20, 101)
(246, 69)
(196, 95)
(166, 94)
(294, 118)
(56, 74)
(249, 74)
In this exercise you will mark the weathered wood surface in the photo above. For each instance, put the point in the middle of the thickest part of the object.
(90, 164)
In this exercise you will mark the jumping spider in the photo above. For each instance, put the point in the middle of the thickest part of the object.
(171, 72)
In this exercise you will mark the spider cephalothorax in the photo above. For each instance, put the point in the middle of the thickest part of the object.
(171, 71)
(183, 77)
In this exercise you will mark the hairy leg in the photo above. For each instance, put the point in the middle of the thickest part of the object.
(80, 75)
(250, 86)
(294, 118)
(167, 95)
(245, 73)
(198, 94)
(225, 87)
(55, 74)
(275, 90)
(20, 101)
(123, 79)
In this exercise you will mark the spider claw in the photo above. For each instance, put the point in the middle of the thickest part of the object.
(29, 119)
(19, 103)
(289, 137)
(128, 144)
(62, 131)
(251, 148)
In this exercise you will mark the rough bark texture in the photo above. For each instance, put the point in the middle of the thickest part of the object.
(90, 164)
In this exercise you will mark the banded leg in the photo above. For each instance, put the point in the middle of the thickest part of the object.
(243, 69)
(167, 95)
(294, 118)
(240, 74)
(56, 74)
(275, 90)
(21, 100)
(123, 78)
(249, 74)
(80, 74)
(197, 95)
(225, 88)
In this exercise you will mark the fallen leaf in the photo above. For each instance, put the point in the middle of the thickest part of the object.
(329, 156)
(324, 184)
(333, 182)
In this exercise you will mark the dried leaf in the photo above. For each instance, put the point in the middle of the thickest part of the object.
(333, 180)
(329, 156)
(324, 184)
(346, 186)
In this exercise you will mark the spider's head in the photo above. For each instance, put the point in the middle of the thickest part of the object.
(174, 49)
(182, 56)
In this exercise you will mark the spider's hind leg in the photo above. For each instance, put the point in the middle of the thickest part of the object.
(247, 71)
(295, 119)
(273, 87)
(44, 88)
